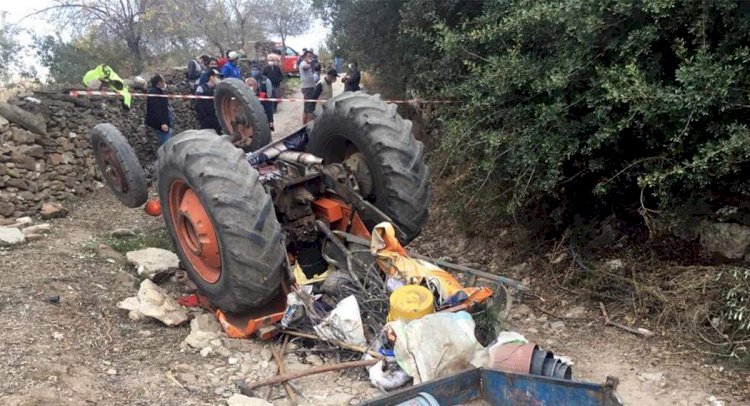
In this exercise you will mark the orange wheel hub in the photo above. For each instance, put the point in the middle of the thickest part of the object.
(194, 231)
(234, 117)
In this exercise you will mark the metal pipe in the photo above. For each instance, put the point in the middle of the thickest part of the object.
(305, 158)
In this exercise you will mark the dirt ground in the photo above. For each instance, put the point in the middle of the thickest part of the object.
(84, 350)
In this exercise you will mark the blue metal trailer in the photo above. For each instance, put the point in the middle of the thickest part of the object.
(503, 388)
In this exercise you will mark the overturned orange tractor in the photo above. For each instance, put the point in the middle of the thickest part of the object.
(240, 219)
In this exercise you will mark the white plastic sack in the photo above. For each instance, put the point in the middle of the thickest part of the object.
(343, 324)
(436, 345)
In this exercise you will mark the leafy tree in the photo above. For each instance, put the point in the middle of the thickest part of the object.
(123, 20)
(224, 25)
(68, 61)
(287, 17)
(10, 48)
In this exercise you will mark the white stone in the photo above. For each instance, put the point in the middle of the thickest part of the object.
(22, 222)
(153, 302)
(232, 361)
(242, 400)
(11, 236)
(153, 261)
(615, 264)
(57, 335)
(557, 325)
(204, 329)
(111, 371)
(37, 229)
(3, 121)
(266, 354)
(205, 352)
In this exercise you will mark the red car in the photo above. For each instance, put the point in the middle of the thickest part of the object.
(288, 60)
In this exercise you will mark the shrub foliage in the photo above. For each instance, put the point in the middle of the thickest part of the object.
(572, 107)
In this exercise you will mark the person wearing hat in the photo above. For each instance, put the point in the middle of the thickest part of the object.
(231, 69)
(324, 89)
(204, 108)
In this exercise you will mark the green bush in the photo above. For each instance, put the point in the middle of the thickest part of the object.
(577, 107)
(580, 104)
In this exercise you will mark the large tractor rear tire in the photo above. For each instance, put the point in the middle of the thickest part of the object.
(355, 129)
(221, 219)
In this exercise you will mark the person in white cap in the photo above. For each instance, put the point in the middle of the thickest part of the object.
(231, 69)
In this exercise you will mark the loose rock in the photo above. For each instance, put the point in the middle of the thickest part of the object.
(203, 330)
(153, 302)
(11, 236)
(242, 400)
(123, 232)
(37, 229)
(151, 262)
(729, 240)
(53, 210)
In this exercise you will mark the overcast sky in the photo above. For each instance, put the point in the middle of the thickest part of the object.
(17, 9)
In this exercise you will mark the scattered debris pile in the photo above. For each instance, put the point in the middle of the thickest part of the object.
(404, 319)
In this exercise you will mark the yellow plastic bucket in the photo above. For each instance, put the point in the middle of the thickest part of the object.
(411, 302)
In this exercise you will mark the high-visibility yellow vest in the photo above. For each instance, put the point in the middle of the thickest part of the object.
(111, 79)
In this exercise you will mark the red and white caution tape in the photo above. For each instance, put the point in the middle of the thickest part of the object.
(79, 93)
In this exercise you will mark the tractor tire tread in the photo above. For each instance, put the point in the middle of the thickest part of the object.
(242, 212)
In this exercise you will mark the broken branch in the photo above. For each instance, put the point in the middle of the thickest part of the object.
(637, 331)
(311, 371)
(280, 362)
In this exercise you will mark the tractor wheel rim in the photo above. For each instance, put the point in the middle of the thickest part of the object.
(356, 162)
(235, 118)
(194, 231)
(112, 170)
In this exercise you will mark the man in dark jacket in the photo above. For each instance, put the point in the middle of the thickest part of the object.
(196, 67)
(204, 108)
(352, 78)
(273, 72)
(158, 112)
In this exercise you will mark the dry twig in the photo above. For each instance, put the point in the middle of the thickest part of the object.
(637, 331)
(311, 371)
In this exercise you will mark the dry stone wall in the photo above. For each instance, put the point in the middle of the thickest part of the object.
(59, 166)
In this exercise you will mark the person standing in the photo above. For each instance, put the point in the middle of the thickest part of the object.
(352, 78)
(301, 57)
(204, 108)
(273, 72)
(324, 89)
(263, 88)
(158, 112)
(213, 64)
(316, 67)
(308, 86)
(196, 68)
(231, 69)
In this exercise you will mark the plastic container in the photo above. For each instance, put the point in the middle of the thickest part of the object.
(411, 302)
